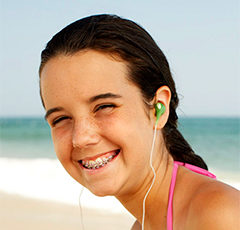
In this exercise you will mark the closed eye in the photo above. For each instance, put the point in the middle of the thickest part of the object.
(101, 107)
(58, 120)
(105, 106)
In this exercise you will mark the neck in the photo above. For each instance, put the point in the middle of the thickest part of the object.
(157, 200)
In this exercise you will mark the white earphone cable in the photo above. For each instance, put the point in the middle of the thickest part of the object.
(154, 176)
(80, 207)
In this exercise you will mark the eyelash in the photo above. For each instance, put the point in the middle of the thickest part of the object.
(58, 120)
(99, 108)
(105, 106)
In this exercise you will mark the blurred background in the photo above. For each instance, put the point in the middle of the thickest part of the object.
(201, 42)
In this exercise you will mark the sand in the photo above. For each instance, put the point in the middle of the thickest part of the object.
(20, 213)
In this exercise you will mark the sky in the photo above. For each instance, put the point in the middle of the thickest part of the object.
(199, 38)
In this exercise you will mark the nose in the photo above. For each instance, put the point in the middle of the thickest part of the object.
(85, 134)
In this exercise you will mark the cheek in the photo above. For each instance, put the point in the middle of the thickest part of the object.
(62, 141)
(109, 125)
(129, 130)
(115, 128)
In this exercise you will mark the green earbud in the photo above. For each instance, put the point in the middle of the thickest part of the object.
(160, 110)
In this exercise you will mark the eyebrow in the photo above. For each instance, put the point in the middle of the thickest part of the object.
(102, 96)
(92, 99)
(50, 111)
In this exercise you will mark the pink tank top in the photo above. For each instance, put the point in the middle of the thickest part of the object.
(172, 186)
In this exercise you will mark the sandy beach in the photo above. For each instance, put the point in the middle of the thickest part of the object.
(20, 213)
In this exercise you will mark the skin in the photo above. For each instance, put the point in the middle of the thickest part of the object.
(84, 130)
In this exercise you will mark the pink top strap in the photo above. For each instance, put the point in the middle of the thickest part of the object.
(170, 199)
(196, 169)
(172, 186)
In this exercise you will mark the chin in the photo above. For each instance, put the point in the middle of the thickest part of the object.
(102, 191)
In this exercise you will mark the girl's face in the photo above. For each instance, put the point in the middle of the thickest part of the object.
(100, 130)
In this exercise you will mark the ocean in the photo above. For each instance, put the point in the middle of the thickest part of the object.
(29, 167)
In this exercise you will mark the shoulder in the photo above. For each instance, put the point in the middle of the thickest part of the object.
(214, 205)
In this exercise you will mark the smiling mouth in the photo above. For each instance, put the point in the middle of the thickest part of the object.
(99, 162)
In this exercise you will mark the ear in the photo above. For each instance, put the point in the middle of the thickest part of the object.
(162, 95)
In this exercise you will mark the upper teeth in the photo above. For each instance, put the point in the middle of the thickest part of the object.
(98, 162)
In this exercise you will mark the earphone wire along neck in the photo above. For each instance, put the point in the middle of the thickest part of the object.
(154, 174)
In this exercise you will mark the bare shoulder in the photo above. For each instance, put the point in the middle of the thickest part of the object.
(136, 226)
(214, 205)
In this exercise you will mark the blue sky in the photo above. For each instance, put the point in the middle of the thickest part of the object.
(199, 38)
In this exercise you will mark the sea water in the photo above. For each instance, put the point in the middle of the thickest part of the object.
(29, 167)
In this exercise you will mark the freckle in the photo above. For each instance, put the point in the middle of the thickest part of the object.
(106, 122)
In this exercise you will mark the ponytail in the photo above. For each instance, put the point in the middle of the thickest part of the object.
(176, 144)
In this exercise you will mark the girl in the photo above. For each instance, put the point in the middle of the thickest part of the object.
(111, 104)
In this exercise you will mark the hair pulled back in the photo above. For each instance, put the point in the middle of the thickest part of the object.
(148, 66)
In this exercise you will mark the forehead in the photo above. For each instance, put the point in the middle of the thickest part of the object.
(84, 74)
